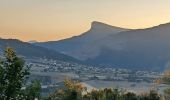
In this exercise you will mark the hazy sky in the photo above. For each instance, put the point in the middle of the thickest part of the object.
(45, 20)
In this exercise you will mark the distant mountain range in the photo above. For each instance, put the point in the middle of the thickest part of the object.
(147, 49)
(31, 51)
(85, 46)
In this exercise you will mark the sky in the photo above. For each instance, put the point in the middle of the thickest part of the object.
(50, 20)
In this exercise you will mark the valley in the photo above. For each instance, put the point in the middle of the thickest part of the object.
(52, 73)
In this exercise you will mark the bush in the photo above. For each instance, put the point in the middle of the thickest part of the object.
(74, 91)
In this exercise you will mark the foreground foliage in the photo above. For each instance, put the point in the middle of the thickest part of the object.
(75, 91)
(13, 75)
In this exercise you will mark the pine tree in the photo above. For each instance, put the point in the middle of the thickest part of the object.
(13, 73)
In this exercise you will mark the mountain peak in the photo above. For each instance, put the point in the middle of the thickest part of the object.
(96, 24)
(101, 26)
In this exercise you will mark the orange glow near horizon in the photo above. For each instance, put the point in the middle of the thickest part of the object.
(49, 20)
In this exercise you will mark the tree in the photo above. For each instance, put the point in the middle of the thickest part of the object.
(2, 82)
(31, 92)
(13, 74)
(73, 91)
(130, 96)
(166, 80)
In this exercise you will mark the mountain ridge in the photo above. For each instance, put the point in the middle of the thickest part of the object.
(84, 40)
(94, 25)
(139, 49)
(31, 51)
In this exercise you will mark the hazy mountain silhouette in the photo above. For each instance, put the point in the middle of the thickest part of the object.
(105, 45)
(86, 45)
(32, 51)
